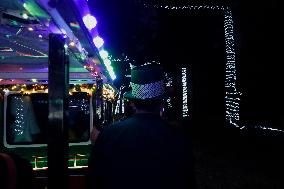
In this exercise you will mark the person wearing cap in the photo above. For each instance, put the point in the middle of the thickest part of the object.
(142, 151)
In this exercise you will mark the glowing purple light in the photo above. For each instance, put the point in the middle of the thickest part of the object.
(98, 41)
(90, 21)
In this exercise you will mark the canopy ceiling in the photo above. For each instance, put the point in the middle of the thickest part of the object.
(24, 44)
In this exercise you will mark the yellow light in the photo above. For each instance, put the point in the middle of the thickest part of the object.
(72, 44)
(34, 80)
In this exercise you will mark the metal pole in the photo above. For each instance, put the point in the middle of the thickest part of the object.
(58, 82)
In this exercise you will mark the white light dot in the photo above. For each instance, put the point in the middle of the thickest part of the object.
(103, 54)
(98, 41)
(90, 21)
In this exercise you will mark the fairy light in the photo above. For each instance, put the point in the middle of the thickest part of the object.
(107, 62)
(72, 44)
(109, 67)
(103, 54)
(108, 92)
(24, 46)
(90, 21)
(232, 96)
(184, 92)
(25, 16)
(188, 7)
(169, 82)
(98, 41)
(6, 90)
(19, 119)
(34, 80)
(43, 88)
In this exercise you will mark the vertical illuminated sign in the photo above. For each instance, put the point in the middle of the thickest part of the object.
(184, 92)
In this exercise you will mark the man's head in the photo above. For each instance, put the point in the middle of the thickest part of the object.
(148, 88)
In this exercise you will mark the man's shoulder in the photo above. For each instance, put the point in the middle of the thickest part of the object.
(121, 123)
(117, 126)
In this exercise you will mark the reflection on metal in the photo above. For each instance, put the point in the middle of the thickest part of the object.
(57, 128)
(76, 161)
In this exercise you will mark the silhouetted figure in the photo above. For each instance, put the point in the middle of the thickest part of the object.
(142, 151)
(15, 172)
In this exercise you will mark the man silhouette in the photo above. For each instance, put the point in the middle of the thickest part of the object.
(142, 151)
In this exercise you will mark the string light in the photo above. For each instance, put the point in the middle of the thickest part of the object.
(98, 41)
(188, 7)
(90, 21)
(107, 62)
(169, 83)
(72, 44)
(19, 119)
(184, 92)
(149, 63)
(83, 105)
(109, 67)
(232, 99)
(25, 16)
(108, 92)
(43, 88)
(42, 54)
(103, 54)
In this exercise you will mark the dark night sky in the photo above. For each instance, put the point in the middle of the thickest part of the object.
(144, 35)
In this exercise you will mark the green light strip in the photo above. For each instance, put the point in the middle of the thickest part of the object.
(35, 10)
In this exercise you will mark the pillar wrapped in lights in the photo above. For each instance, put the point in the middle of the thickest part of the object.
(232, 96)
(184, 92)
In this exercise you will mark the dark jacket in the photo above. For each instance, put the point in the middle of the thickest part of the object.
(141, 152)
